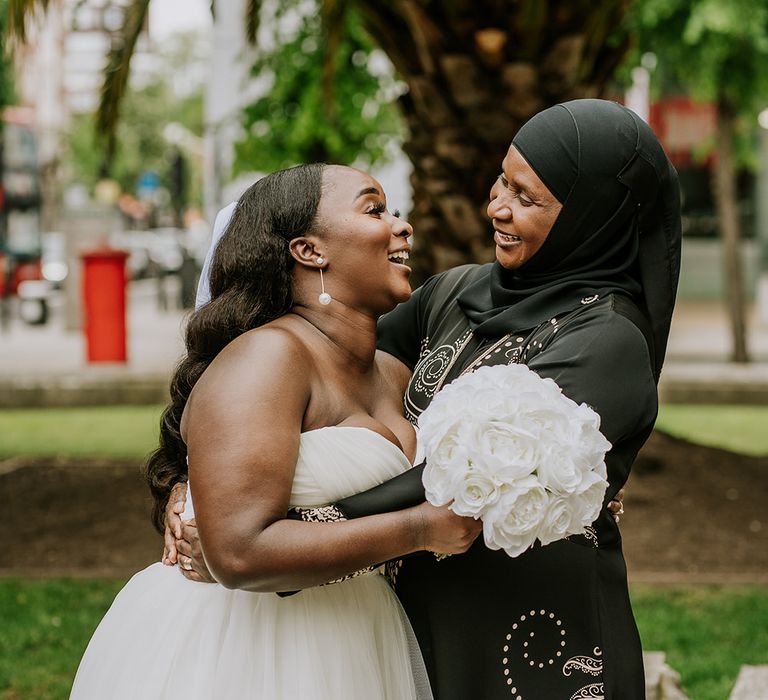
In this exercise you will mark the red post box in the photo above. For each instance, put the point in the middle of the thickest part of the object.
(104, 304)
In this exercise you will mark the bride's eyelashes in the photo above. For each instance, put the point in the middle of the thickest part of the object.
(379, 208)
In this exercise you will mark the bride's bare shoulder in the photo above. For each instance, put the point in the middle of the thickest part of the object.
(272, 342)
(264, 362)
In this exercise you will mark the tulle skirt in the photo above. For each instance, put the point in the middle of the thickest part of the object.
(167, 637)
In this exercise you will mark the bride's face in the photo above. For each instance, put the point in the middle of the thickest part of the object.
(366, 245)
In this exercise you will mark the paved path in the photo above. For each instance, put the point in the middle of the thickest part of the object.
(46, 365)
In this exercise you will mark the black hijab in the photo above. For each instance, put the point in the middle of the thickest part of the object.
(618, 230)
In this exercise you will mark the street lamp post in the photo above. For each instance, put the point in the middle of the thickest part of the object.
(762, 220)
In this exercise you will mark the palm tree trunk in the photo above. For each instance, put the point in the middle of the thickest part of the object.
(476, 71)
(730, 229)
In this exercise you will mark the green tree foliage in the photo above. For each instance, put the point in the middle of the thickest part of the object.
(6, 65)
(714, 51)
(298, 119)
(719, 52)
(141, 144)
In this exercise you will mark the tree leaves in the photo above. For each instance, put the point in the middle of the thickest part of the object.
(299, 119)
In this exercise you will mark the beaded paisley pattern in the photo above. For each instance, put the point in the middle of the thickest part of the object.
(430, 372)
(540, 637)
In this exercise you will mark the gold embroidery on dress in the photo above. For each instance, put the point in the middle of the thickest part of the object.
(391, 570)
(321, 514)
(330, 514)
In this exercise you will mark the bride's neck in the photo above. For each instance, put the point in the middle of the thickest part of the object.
(349, 332)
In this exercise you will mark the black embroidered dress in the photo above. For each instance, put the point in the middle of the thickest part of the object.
(556, 621)
(590, 310)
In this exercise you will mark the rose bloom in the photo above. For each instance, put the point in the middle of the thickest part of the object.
(586, 504)
(508, 451)
(557, 521)
(512, 523)
(508, 446)
(477, 491)
(442, 478)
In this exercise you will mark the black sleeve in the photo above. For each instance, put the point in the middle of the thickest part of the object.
(603, 360)
(399, 332)
(403, 491)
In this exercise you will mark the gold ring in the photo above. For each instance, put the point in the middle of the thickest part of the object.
(621, 509)
(186, 563)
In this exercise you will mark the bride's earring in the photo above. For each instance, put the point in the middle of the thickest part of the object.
(324, 297)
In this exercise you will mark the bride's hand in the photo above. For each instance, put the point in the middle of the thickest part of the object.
(616, 506)
(173, 510)
(444, 532)
(191, 561)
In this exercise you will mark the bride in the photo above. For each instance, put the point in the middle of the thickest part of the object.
(282, 370)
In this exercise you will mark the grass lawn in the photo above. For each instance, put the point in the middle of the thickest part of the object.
(735, 428)
(707, 632)
(102, 431)
(45, 628)
(131, 431)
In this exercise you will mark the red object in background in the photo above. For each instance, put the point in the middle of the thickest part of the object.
(22, 271)
(104, 299)
(683, 126)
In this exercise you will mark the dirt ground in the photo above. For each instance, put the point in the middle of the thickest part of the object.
(693, 513)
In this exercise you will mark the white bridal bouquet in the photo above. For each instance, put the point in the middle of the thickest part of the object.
(507, 446)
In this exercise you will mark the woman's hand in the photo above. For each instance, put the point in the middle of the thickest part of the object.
(444, 532)
(616, 506)
(190, 554)
(173, 510)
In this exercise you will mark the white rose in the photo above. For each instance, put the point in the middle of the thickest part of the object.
(441, 477)
(586, 504)
(512, 523)
(557, 521)
(505, 444)
(559, 472)
(508, 451)
(592, 444)
(477, 491)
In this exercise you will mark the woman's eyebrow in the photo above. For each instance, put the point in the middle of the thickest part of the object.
(367, 190)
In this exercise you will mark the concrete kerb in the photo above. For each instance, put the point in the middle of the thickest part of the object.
(83, 390)
(46, 367)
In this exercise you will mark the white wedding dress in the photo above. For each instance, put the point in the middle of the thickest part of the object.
(167, 637)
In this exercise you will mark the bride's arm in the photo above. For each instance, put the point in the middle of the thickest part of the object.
(243, 427)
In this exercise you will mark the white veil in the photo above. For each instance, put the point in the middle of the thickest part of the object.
(219, 226)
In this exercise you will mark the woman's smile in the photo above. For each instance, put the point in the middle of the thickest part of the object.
(400, 257)
(506, 240)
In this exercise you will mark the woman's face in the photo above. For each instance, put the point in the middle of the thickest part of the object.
(366, 246)
(522, 209)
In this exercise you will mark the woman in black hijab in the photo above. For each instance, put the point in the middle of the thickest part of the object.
(587, 228)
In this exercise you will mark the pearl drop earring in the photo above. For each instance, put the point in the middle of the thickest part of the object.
(324, 297)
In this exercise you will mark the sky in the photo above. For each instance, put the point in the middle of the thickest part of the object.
(169, 16)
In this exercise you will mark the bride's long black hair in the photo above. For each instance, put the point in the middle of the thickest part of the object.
(250, 286)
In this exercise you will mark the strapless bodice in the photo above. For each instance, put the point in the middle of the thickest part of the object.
(335, 462)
